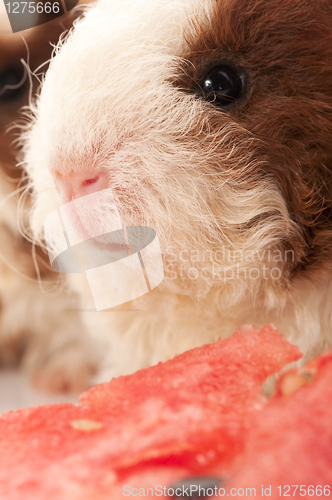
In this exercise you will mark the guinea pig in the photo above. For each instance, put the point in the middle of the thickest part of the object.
(38, 325)
(212, 124)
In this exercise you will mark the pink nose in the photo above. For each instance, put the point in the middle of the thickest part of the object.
(77, 184)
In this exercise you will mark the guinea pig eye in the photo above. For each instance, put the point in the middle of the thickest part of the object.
(222, 85)
(12, 82)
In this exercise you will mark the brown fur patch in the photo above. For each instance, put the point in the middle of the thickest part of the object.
(284, 125)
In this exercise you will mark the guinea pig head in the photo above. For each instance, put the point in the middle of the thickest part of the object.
(210, 121)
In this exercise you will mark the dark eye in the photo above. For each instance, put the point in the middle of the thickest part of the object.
(223, 85)
(12, 82)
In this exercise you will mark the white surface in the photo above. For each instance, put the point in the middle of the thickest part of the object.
(16, 392)
(4, 21)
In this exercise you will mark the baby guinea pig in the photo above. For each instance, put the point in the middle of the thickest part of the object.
(212, 123)
(37, 329)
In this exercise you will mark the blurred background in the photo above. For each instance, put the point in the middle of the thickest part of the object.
(23, 61)
(16, 391)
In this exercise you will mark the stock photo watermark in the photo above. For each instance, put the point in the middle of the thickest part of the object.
(226, 264)
(213, 488)
(192, 491)
(120, 263)
(18, 15)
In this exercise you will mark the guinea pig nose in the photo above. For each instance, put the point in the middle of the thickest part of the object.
(79, 183)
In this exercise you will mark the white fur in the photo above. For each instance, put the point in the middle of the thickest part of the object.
(108, 102)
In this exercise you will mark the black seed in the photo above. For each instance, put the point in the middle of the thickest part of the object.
(196, 487)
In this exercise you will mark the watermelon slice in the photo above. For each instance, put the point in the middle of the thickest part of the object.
(187, 417)
(289, 445)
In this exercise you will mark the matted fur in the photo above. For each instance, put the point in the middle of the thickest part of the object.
(247, 190)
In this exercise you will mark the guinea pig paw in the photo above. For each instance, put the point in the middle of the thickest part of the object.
(68, 370)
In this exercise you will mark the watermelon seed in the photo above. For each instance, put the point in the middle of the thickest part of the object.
(196, 487)
(308, 375)
(269, 386)
(85, 425)
(292, 382)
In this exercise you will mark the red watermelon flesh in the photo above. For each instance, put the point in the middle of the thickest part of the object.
(290, 441)
(184, 417)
